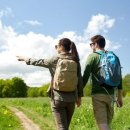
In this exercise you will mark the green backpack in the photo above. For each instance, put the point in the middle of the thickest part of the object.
(65, 77)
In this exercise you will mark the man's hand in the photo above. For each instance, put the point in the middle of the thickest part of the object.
(119, 103)
(119, 99)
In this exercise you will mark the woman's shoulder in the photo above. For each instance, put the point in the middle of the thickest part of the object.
(54, 59)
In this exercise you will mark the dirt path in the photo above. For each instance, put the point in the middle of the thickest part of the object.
(25, 121)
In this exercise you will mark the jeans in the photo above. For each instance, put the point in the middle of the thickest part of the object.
(63, 112)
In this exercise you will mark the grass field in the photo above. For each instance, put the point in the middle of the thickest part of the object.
(7, 119)
(38, 109)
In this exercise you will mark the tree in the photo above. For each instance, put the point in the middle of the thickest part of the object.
(1, 86)
(38, 91)
(126, 84)
(32, 92)
(19, 87)
(43, 90)
(7, 89)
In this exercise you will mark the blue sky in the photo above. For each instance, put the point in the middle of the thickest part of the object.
(32, 27)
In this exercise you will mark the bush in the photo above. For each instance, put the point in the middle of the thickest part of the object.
(43, 90)
(32, 92)
(7, 89)
(38, 91)
(128, 93)
(87, 90)
(1, 86)
(19, 87)
(14, 87)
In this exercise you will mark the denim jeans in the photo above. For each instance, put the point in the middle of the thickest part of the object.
(63, 112)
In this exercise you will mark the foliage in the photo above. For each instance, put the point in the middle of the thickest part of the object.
(14, 87)
(128, 93)
(126, 84)
(1, 86)
(19, 87)
(43, 90)
(32, 92)
(87, 90)
(7, 89)
(38, 91)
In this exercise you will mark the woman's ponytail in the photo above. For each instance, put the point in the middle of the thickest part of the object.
(74, 51)
(69, 46)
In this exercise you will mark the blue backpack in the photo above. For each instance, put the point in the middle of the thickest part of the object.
(110, 69)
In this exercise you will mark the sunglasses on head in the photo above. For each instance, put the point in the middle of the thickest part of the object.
(56, 46)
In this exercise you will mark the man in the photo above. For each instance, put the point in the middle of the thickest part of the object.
(102, 96)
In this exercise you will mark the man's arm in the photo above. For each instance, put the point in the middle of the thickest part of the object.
(87, 70)
(119, 96)
(80, 82)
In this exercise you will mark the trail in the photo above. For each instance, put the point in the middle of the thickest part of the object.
(25, 121)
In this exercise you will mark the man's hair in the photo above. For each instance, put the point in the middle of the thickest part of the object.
(100, 40)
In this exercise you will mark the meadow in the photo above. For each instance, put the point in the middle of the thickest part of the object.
(38, 110)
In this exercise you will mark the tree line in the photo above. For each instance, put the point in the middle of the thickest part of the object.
(16, 87)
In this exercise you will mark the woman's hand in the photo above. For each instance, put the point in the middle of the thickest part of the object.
(78, 101)
(20, 58)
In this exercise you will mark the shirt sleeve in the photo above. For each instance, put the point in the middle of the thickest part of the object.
(87, 70)
(47, 63)
(80, 82)
(120, 85)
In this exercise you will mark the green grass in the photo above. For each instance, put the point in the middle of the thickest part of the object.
(7, 120)
(83, 118)
(38, 109)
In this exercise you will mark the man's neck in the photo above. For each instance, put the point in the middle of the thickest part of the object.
(100, 49)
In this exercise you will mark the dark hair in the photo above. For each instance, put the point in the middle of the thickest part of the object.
(69, 46)
(100, 40)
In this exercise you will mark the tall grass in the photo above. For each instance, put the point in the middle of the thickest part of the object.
(8, 121)
(38, 109)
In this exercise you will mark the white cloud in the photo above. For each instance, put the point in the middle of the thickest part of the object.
(41, 77)
(33, 22)
(6, 12)
(99, 24)
(40, 46)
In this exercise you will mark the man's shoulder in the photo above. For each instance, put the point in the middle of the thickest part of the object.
(93, 55)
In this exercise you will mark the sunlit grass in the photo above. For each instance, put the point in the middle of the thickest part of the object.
(8, 121)
(38, 109)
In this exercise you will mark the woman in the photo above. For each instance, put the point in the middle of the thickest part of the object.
(62, 103)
